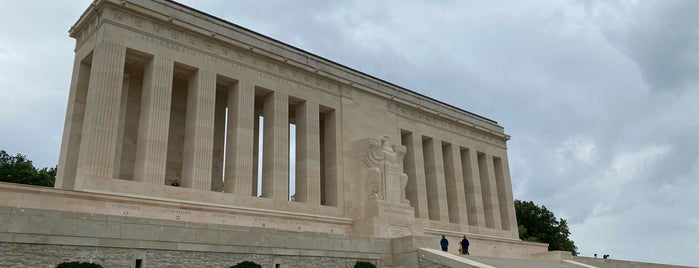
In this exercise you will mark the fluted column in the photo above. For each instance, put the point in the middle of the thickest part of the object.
(505, 197)
(154, 123)
(434, 177)
(239, 140)
(472, 186)
(414, 166)
(101, 123)
(331, 192)
(454, 185)
(495, 198)
(308, 153)
(199, 131)
(275, 151)
(72, 129)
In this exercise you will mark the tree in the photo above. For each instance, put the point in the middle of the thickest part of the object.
(538, 224)
(76, 264)
(19, 169)
(364, 264)
(246, 264)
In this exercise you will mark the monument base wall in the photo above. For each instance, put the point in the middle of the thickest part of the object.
(40, 227)
(43, 255)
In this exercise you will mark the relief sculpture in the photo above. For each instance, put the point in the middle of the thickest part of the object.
(383, 170)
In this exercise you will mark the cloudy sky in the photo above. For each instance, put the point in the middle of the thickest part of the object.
(601, 98)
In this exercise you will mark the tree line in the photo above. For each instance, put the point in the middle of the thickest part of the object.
(19, 169)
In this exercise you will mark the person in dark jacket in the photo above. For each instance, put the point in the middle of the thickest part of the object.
(444, 243)
(464, 246)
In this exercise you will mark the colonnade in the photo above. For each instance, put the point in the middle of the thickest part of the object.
(151, 119)
(453, 183)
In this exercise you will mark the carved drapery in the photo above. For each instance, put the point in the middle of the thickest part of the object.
(383, 170)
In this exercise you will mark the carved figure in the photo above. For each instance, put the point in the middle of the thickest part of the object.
(384, 173)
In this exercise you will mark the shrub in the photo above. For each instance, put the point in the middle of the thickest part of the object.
(364, 264)
(76, 264)
(246, 264)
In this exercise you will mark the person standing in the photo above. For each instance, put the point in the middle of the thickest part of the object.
(444, 243)
(464, 246)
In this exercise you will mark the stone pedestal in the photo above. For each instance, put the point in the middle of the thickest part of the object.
(383, 210)
(379, 218)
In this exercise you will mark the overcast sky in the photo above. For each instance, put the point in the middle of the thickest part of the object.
(601, 98)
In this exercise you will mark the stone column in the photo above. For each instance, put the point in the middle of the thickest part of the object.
(472, 186)
(434, 177)
(308, 153)
(199, 131)
(72, 129)
(126, 84)
(154, 123)
(489, 190)
(454, 184)
(495, 198)
(239, 140)
(416, 190)
(506, 199)
(101, 123)
(331, 192)
(275, 151)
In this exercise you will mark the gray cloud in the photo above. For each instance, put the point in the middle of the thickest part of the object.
(599, 97)
(662, 38)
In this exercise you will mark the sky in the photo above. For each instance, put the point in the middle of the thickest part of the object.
(601, 98)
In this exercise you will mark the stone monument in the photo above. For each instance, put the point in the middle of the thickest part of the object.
(167, 108)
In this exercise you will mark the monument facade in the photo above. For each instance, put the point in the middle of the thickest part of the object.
(174, 114)
(170, 103)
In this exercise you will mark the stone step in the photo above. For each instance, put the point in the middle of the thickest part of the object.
(448, 259)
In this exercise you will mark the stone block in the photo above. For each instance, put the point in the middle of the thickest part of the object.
(84, 216)
(7, 237)
(166, 223)
(160, 245)
(31, 238)
(14, 224)
(36, 212)
(177, 234)
(119, 243)
(140, 231)
(125, 219)
(5, 210)
(73, 240)
(207, 236)
(91, 228)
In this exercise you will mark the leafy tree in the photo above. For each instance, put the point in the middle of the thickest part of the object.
(19, 169)
(76, 264)
(538, 224)
(364, 264)
(246, 264)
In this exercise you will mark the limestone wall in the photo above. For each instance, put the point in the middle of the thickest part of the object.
(174, 114)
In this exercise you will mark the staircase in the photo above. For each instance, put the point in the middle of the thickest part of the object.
(451, 260)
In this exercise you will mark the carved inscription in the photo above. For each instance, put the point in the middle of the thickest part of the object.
(210, 49)
(177, 211)
(223, 216)
(413, 116)
(126, 209)
(84, 33)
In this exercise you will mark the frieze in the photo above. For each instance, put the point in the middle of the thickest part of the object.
(414, 116)
(210, 49)
(84, 33)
